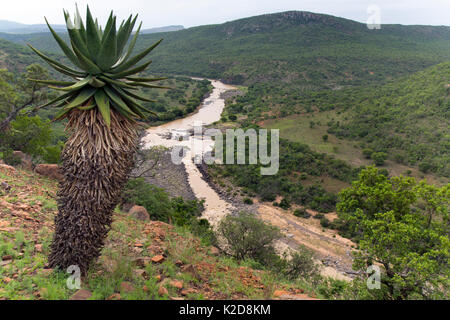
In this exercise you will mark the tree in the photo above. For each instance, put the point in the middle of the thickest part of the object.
(101, 107)
(248, 237)
(325, 138)
(403, 227)
(379, 158)
(21, 93)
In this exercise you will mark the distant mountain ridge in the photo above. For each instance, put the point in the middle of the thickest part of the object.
(303, 49)
(16, 28)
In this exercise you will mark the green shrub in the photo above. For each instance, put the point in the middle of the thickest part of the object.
(367, 153)
(302, 213)
(285, 204)
(324, 222)
(319, 216)
(379, 158)
(248, 201)
(248, 237)
(300, 265)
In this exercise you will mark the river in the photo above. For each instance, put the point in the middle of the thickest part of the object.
(209, 112)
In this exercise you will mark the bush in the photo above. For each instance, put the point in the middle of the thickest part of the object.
(301, 265)
(285, 204)
(302, 213)
(247, 237)
(367, 153)
(319, 216)
(324, 222)
(379, 158)
(248, 201)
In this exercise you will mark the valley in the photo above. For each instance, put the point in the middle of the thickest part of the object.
(364, 157)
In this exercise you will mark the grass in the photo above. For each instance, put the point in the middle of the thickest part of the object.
(298, 128)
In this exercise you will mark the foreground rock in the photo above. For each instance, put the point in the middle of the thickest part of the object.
(139, 213)
(51, 171)
(81, 295)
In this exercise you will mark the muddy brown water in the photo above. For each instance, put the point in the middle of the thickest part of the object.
(209, 112)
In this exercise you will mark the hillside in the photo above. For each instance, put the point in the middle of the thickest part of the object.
(141, 260)
(407, 118)
(306, 49)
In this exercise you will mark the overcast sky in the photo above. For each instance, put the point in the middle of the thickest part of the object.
(190, 13)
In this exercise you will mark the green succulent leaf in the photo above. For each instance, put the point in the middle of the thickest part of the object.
(82, 97)
(130, 63)
(79, 85)
(64, 47)
(105, 78)
(119, 102)
(103, 105)
(108, 52)
(92, 37)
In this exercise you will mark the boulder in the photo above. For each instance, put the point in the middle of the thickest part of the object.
(51, 171)
(139, 213)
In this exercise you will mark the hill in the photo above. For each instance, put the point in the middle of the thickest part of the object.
(20, 28)
(408, 119)
(141, 260)
(304, 49)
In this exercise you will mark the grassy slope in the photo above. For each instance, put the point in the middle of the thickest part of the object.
(407, 116)
(26, 225)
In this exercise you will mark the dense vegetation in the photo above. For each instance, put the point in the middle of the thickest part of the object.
(402, 226)
(298, 163)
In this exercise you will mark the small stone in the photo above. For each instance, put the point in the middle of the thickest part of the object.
(140, 273)
(177, 284)
(38, 247)
(7, 280)
(126, 286)
(81, 294)
(279, 293)
(7, 257)
(179, 263)
(114, 296)
(158, 259)
(139, 213)
(163, 291)
(142, 261)
(214, 251)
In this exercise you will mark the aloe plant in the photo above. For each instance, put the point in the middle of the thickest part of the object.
(101, 104)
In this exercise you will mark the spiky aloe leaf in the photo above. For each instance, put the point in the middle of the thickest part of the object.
(130, 48)
(103, 105)
(54, 63)
(53, 82)
(87, 64)
(119, 103)
(105, 67)
(77, 86)
(93, 40)
(134, 79)
(64, 47)
(108, 52)
(131, 71)
(82, 97)
(130, 63)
